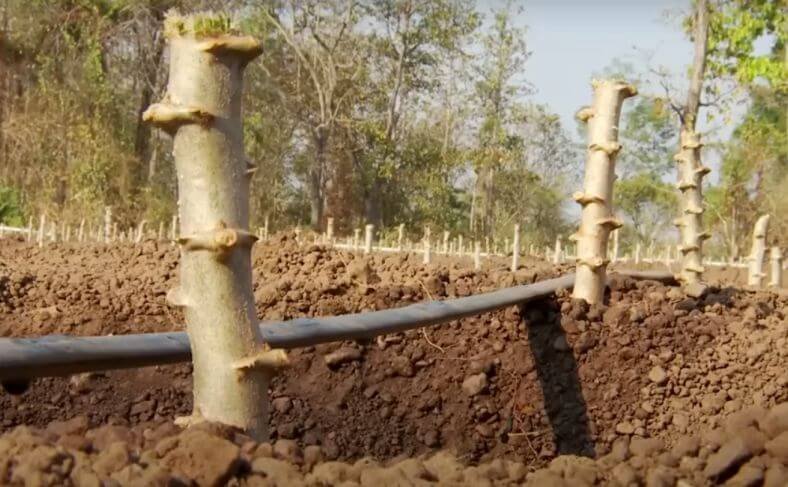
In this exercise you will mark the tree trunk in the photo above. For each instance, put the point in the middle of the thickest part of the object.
(202, 109)
(372, 204)
(474, 203)
(316, 181)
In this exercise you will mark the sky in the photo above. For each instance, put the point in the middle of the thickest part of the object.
(571, 40)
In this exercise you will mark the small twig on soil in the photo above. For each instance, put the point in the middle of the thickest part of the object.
(423, 331)
(426, 337)
(339, 256)
(527, 440)
(429, 295)
(461, 359)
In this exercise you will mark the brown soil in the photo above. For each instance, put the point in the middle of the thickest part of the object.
(524, 384)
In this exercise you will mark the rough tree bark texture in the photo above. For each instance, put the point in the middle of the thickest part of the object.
(690, 169)
(615, 245)
(758, 252)
(597, 196)
(202, 111)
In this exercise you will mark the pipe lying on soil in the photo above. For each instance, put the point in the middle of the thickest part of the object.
(60, 355)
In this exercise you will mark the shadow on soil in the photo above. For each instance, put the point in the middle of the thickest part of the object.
(558, 376)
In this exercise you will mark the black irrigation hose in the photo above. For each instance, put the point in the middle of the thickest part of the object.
(59, 355)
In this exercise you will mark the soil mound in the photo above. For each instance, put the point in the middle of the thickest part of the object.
(527, 384)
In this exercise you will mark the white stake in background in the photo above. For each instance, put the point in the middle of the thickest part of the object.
(776, 258)
(368, 238)
(516, 248)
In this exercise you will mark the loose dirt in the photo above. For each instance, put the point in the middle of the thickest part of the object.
(507, 391)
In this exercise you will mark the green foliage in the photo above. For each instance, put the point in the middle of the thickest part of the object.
(649, 137)
(11, 207)
(392, 105)
(755, 168)
(735, 27)
(203, 24)
(648, 202)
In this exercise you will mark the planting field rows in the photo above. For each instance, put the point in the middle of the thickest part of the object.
(653, 384)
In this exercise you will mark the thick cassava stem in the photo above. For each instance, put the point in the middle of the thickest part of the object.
(368, 230)
(516, 248)
(400, 236)
(446, 236)
(776, 258)
(81, 232)
(160, 234)
(356, 238)
(202, 111)
(174, 228)
(265, 227)
(637, 253)
(477, 255)
(30, 229)
(615, 245)
(690, 222)
(597, 197)
(427, 251)
(758, 252)
(460, 249)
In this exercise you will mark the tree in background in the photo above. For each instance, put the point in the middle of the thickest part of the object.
(75, 78)
(410, 41)
(642, 194)
(755, 163)
(324, 67)
(389, 111)
(497, 90)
